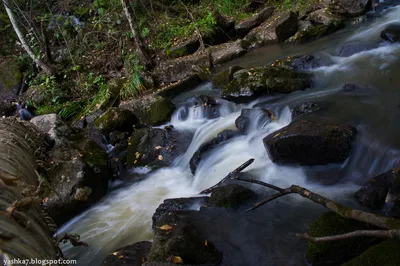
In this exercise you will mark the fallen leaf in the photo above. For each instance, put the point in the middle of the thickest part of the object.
(165, 227)
(206, 243)
(158, 148)
(276, 135)
(176, 260)
(160, 158)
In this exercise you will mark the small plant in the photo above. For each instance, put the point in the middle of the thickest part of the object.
(134, 85)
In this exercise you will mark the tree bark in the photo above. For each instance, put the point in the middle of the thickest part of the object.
(21, 37)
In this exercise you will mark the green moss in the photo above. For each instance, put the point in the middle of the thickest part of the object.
(335, 252)
(384, 254)
(158, 112)
(10, 75)
(49, 109)
(230, 196)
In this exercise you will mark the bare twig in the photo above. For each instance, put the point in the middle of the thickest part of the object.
(232, 175)
(395, 234)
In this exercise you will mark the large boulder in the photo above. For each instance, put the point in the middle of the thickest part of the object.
(351, 8)
(10, 78)
(248, 84)
(151, 110)
(310, 143)
(349, 49)
(205, 148)
(336, 252)
(79, 173)
(178, 204)
(178, 239)
(380, 189)
(245, 26)
(226, 52)
(326, 18)
(253, 117)
(384, 254)
(174, 70)
(277, 29)
(230, 196)
(116, 119)
(132, 255)
(391, 33)
(155, 147)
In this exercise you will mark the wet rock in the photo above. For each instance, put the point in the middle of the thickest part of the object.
(225, 52)
(178, 204)
(183, 240)
(151, 110)
(374, 193)
(299, 63)
(248, 117)
(312, 32)
(10, 79)
(155, 147)
(79, 173)
(349, 49)
(386, 253)
(221, 138)
(230, 196)
(183, 49)
(391, 33)
(222, 79)
(351, 8)
(209, 107)
(132, 255)
(326, 18)
(245, 26)
(304, 108)
(350, 88)
(174, 70)
(248, 84)
(336, 252)
(310, 143)
(277, 29)
(116, 119)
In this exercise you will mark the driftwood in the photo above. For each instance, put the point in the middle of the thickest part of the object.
(231, 175)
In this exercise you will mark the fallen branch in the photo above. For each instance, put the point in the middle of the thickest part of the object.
(394, 234)
(231, 175)
(346, 212)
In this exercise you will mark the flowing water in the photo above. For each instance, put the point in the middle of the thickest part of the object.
(265, 236)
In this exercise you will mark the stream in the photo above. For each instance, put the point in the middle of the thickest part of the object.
(265, 236)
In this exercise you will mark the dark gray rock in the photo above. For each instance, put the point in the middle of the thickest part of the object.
(304, 108)
(245, 26)
(309, 143)
(230, 196)
(351, 8)
(391, 33)
(132, 255)
(183, 49)
(116, 119)
(209, 106)
(227, 51)
(260, 116)
(222, 79)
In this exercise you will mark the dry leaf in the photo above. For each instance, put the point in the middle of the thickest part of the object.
(206, 243)
(176, 260)
(160, 158)
(158, 148)
(165, 227)
(276, 135)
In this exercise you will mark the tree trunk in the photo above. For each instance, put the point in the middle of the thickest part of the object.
(39, 63)
(24, 232)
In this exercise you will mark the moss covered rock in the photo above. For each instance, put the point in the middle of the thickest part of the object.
(116, 119)
(152, 110)
(248, 84)
(10, 78)
(336, 252)
(183, 49)
(177, 237)
(384, 254)
(230, 196)
(223, 78)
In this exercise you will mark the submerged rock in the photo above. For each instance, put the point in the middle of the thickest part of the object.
(310, 143)
(230, 196)
(384, 254)
(349, 49)
(116, 119)
(176, 236)
(178, 204)
(304, 108)
(277, 29)
(336, 252)
(391, 33)
(256, 115)
(131, 255)
(245, 26)
(221, 138)
(248, 84)
(151, 110)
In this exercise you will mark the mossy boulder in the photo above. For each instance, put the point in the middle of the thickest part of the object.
(227, 51)
(183, 49)
(230, 196)
(177, 237)
(223, 78)
(10, 78)
(116, 119)
(336, 252)
(151, 110)
(311, 33)
(248, 84)
(384, 254)
(114, 87)
(310, 143)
